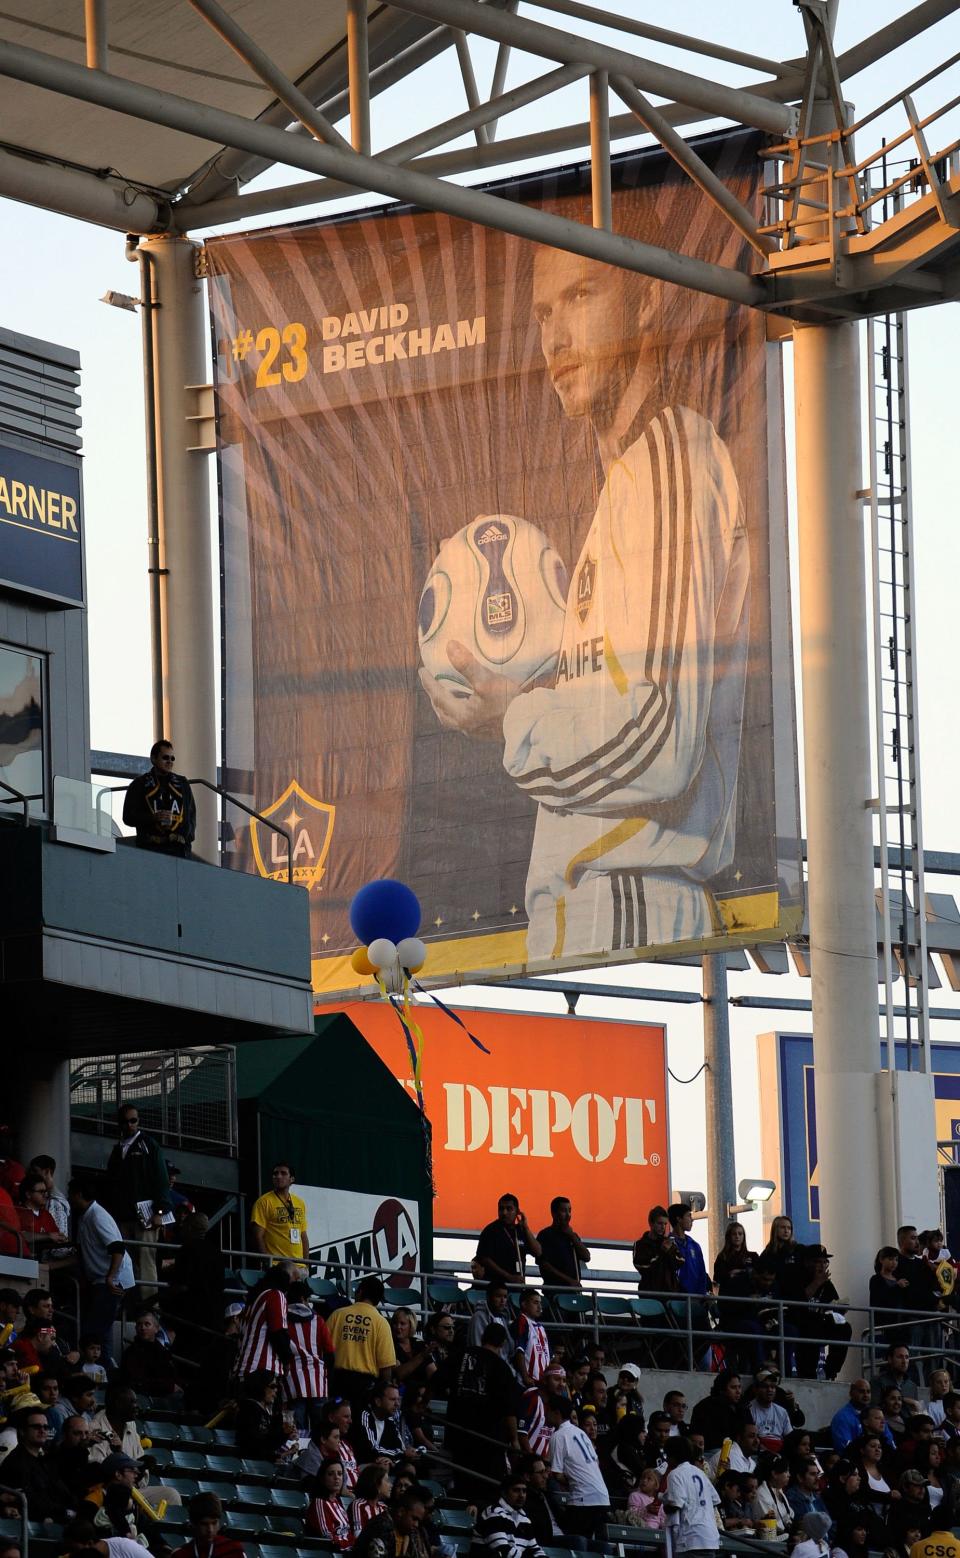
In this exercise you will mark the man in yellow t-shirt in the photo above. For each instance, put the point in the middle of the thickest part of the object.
(279, 1219)
(363, 1344)
(940, 1544)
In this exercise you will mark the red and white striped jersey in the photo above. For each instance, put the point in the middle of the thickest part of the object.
(351, 1470)
(310, 1343)
(532, 1340)
(327, 1517)
(533, 1423)
(362, 1511)
(266, 1314)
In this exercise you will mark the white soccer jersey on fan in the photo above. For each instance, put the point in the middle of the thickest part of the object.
(692, 1493)
(633, 755)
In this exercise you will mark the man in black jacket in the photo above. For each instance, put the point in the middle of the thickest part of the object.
(29, 1469)
(160, 805)
(136, 1192)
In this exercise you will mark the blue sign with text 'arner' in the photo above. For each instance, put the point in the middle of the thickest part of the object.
(41, 537)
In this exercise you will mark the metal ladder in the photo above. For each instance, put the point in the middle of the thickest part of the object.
(902, 898)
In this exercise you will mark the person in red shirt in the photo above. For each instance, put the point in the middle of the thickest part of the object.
(206, 1539)
(11, 1242)
(36, 1221)
(11, 1171)
(326, 1515)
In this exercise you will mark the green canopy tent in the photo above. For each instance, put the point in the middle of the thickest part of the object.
(330, 1107)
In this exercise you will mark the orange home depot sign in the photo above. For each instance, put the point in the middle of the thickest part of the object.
(561, 1106)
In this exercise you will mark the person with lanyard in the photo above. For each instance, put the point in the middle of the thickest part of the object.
(504, 1245)
(278, 1221)
(562, 1251)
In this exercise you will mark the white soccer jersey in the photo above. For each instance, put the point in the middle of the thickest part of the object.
(632, 756)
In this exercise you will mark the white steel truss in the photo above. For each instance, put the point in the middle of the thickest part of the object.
(856, 269)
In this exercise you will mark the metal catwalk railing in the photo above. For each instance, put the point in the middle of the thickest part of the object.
(611, 1309)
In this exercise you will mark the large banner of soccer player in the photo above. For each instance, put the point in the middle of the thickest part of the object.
(505, 589)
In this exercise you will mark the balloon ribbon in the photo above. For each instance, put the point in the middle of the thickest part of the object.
(450, 1013)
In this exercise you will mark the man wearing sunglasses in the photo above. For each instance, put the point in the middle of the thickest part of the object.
(160, 806)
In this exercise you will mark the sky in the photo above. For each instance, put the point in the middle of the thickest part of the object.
(54, 270)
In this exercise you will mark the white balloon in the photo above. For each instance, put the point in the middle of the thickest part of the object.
(411, 952)
(382, 952)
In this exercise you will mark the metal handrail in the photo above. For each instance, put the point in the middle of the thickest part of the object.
(680, 1322)
(218, 789)
(18, 795)
(234, 800)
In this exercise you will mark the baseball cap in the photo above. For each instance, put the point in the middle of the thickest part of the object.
(817, 1252)
(816, 1525)
(232, 1310)
(913, 1478)
(763, 1375)
(116, 1462)
(633, 1369)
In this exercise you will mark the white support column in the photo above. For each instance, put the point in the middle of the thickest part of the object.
(190, 706)
(843, 934)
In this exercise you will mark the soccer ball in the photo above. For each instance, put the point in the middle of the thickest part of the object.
(499, 588)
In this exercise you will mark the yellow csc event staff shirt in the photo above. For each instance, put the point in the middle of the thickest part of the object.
(941, 1544)
(362, 1339)
(284, 1226)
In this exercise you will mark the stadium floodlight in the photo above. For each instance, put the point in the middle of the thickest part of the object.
(121, 300)
(694, 1199)
(752, 1192)
(756, 1189)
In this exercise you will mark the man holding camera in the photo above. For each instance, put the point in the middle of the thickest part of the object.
(504, 1245)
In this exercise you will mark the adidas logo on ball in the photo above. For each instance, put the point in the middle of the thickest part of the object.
(491, 534)
(499, 588)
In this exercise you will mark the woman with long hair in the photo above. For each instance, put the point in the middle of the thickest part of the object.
(260, 1429)
(326, 1515)
(781, 1247)
(731, 1275)
(413, 1361)
(867, 1452)
(369, 1497)
(771, 1502)
(720, 1415)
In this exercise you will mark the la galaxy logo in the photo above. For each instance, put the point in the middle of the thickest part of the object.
(586, 585)
(310, 825)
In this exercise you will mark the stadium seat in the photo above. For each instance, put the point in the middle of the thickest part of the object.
(288, 1498)
(401, 1298)
(453, 1520)
(245, 1493)
(614, 1308)
(224, 1436)
(160, 1433)
(189, 1460)
(10, 1529)
(474, 1296)
(634, 1536)
(441, 1293)
(260, 1471)
(197, 1434)
(322, 1287)
(249, 1276)
(558, 1552)
(273, 1550)
(185, 1486)
(224, 1466)
(285, 1523)
(578, 1304)
(175, 1515)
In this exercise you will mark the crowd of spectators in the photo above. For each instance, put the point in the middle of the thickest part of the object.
(536, 1435)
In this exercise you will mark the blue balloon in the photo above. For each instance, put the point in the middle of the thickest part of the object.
(385, 908)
